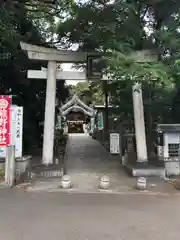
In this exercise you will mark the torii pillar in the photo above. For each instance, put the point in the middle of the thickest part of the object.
(52, 56)
(48, 139)
(140, 132)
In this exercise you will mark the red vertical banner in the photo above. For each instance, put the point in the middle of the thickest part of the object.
(5, 104)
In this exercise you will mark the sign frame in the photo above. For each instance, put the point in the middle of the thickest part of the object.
(114, 143)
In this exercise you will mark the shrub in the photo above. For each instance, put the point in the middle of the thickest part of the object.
(1, 174)
(60, 137)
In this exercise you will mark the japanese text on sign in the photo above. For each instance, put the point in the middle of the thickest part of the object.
(18, 127)
(4, 120)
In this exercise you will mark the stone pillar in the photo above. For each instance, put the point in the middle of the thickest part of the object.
(49, 120)
(139, 123)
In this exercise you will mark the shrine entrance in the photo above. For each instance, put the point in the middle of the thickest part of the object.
(94, 71)
(83, 152)
(78, 147)
(75, 121)
(86, 159)
(76, 115)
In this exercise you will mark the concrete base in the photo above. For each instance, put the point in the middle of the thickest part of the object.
(51, 171)
(50, 174)
(145, 170)
(21, 163)
(172, 168)
(22, 170)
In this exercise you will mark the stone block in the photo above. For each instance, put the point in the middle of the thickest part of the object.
(66, 182)
(141, 183)
(104, 182)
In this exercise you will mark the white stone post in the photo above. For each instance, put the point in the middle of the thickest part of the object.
(49, 122)
(10, 165)
(139, 123)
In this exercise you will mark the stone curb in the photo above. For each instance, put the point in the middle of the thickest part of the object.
(145, 193)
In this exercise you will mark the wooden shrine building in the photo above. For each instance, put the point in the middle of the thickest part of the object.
(76, 114)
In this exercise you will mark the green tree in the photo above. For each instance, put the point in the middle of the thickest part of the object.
(17, 24)
(120, 28)
(89, 92)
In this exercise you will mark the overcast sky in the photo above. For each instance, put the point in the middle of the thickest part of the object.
(68, 67)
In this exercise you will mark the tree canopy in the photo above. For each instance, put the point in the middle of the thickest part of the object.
(120, 28)
(19, 22)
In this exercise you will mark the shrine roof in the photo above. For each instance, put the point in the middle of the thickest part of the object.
(76, 108)
(75, 100)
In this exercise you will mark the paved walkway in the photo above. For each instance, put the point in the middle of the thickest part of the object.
(87, 154)
(87, 161)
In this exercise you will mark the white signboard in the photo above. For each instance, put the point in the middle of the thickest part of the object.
(16, 131)
(13, 124)
(114, 143)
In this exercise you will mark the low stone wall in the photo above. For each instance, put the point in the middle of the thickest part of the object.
(22, 167)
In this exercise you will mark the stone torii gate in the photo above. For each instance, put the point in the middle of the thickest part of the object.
(51, 74)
